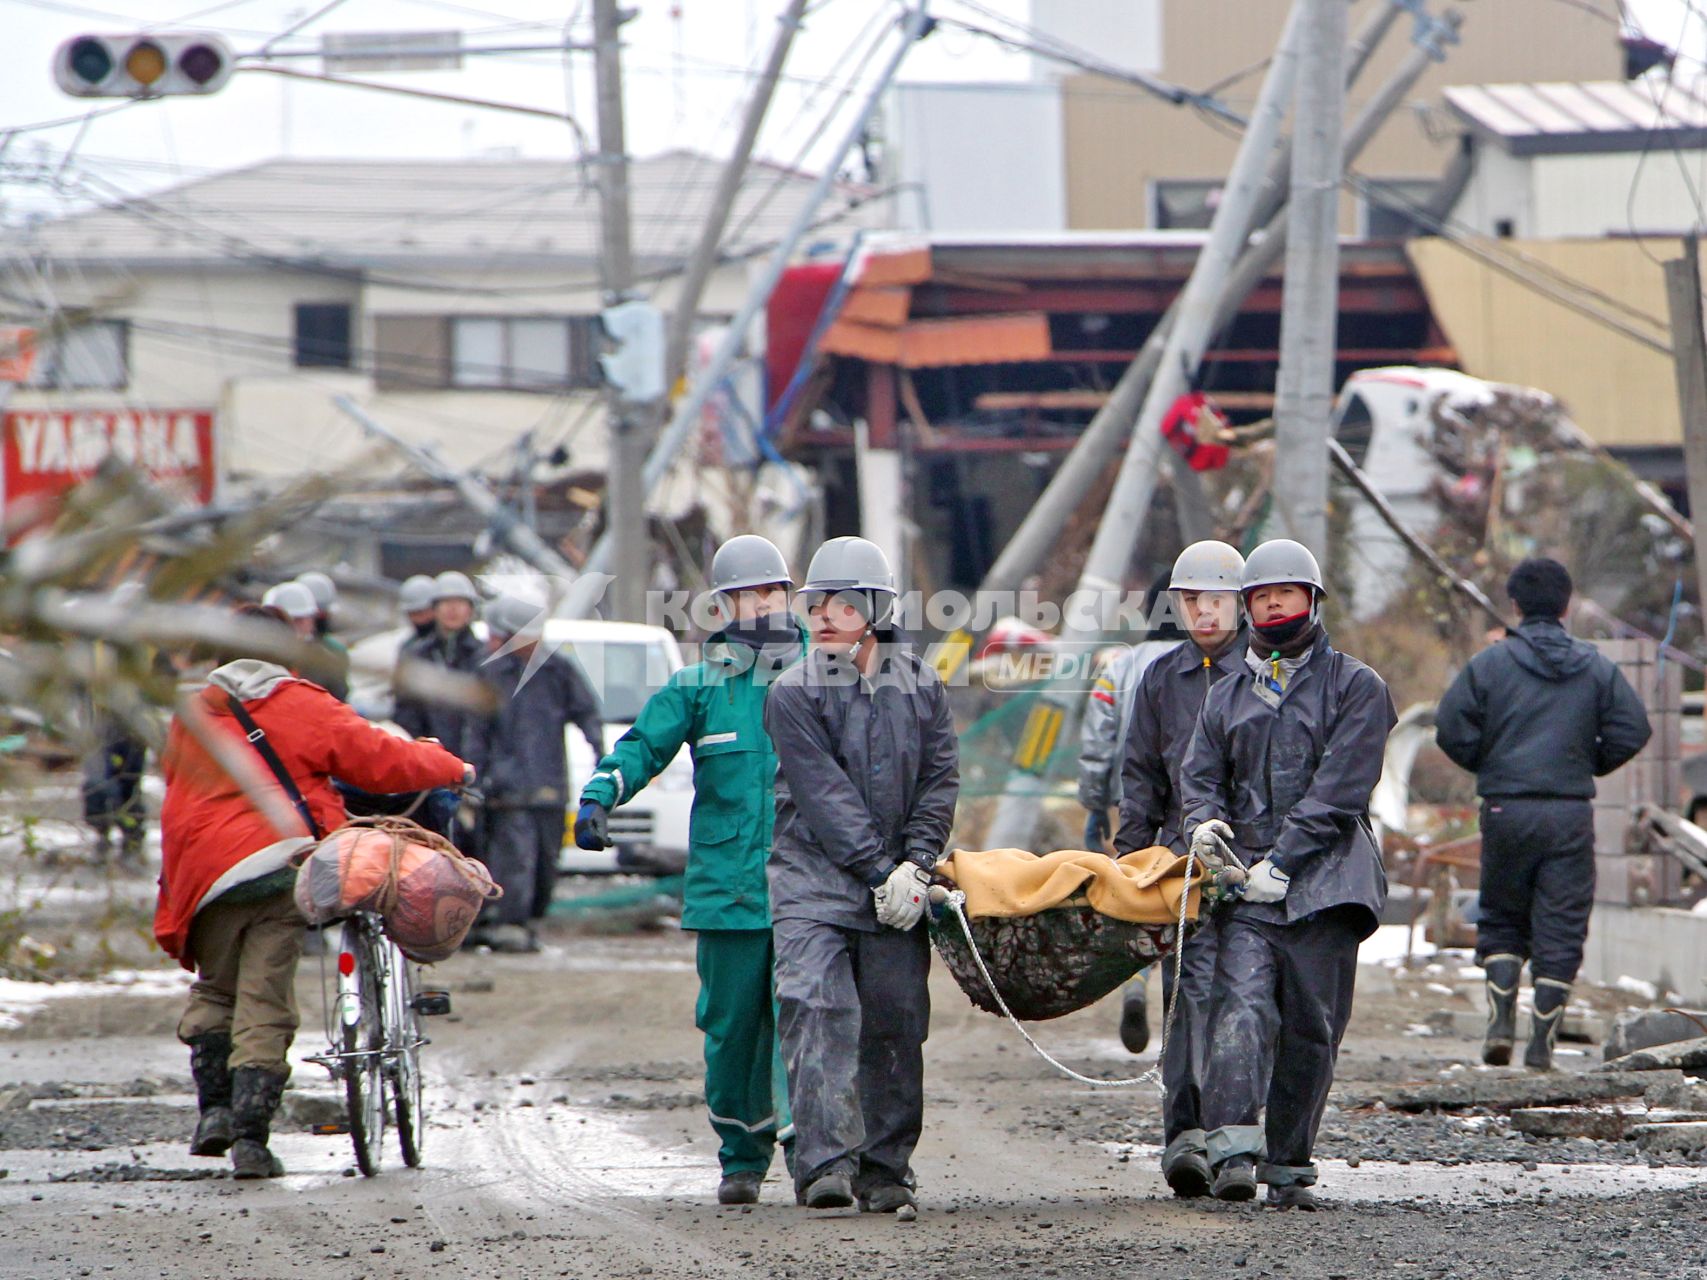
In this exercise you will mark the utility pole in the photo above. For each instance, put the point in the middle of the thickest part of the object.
(1309, 317)
(1110, 428)
(1104, 574)
(625, 499)
(1689, 348)
(704, 257)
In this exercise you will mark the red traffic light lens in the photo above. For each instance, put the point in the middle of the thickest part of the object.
(90, 62)
(200, 63)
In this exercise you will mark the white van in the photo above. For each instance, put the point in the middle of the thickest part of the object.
(626, 664)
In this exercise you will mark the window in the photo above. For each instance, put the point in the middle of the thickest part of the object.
(522, 353)
(91, 357)
(1184, 204)
(323, 335)
(1393, 208)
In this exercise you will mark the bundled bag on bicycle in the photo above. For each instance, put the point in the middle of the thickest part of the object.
(249, 765)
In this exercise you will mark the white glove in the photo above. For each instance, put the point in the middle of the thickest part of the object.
(1267, 883)
(1212, 845)
(901, 898)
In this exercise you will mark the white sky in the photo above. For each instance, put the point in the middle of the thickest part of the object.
(684, 68)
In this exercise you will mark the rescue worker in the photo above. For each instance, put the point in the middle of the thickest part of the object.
(1102, 746)
(325, 593)
(1537, 717)
(452, 645)
(716, 709)
(227, 907)
(1165, 705)
(1278, 778)
(415, 599)
(867, 780)
(523, 761)
(296, 603)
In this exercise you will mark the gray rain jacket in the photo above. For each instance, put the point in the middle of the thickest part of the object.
(1294, 781)
(1165, 708)
(1540, 714)
(1108, 713)
(519, 753)
(868, 771)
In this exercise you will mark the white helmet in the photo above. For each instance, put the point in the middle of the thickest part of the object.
(748, 560)
(416, 593)
(321, 587)
(1208, 566)
(291, 599)
(513, 616)
(451, 585)
(1281, 560)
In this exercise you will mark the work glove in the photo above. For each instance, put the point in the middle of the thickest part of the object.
(1097, 829)
(470, 801)
(1266, 883)
(901, 898)
(592, 826)
(1212, 846)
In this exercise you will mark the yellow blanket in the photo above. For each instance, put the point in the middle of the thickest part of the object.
(1143, 887)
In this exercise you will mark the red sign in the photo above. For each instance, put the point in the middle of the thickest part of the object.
(45, 452)
(17, 353)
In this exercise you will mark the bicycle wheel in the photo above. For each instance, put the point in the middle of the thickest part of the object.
(404, 1063)
(362, 992)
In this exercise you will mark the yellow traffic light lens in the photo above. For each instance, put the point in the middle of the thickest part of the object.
(145, 63)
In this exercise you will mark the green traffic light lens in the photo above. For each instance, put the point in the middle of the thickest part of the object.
(90, 61)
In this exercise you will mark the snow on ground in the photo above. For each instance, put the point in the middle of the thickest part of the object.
(21, 998)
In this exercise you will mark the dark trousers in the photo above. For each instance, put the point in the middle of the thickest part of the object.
(1280, 1005)
(522, 845)
(112, 787)
(1185, 1054)
(853, 1010)
(746, 1090)
(1537, 883)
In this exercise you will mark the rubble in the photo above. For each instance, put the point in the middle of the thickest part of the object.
(1681, 1136)
(1685, 1055)
(1647, 1028)
(1520, 1089)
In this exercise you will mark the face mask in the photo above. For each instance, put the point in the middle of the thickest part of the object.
(772, 628)
(1283, 631)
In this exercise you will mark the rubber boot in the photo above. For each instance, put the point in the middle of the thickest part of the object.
(1135, 1018)
(1503, 972)
(1236, 1178)
(255, 1094)
(1550, 998)
(210, 1066)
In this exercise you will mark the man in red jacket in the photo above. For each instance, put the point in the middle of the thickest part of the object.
(227, 909)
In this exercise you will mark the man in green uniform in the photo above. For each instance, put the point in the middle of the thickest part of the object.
(716, 708)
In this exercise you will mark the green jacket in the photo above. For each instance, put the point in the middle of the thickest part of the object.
(716, 707)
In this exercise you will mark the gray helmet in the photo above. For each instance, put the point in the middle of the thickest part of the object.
(513, 616)
(321, 587)
(1208, 566)
(291, 599)
(748, 561)
(454, 586)
(853, 565)
(416, 593)
(1282, 560)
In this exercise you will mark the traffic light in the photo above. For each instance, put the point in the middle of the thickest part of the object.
(142, 66)
(636, 365)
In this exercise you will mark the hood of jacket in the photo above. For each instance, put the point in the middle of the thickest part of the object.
(249, 679)
(1544, 648)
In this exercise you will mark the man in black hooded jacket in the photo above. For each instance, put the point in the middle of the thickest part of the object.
(1537, 718)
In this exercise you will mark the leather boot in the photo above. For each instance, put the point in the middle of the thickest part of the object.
(1551, 996)
(255, 1094)
(210, 1066)
(1135, 1018)
(1503, 972)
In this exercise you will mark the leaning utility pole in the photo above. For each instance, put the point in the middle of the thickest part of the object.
(625, 499)
(1309, 318)
(704, 257)
(1104, 574)
(1689, 348)
(1101, 441)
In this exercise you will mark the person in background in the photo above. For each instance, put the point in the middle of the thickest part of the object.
(716, 709)
(226, 908)
(1165, 707)
(866, 786)
(451, 644)
(296, 603)
(523, 762)
(1537, 717)
(1108, 711)
(325, 593)
(415, 599)
(1278, 779)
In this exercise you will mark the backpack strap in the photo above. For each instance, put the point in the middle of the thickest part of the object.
(258, 739)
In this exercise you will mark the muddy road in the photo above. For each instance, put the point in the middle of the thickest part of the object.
(567, 1138)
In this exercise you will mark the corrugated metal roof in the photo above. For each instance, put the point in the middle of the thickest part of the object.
(484, 213)
(1590, 116)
